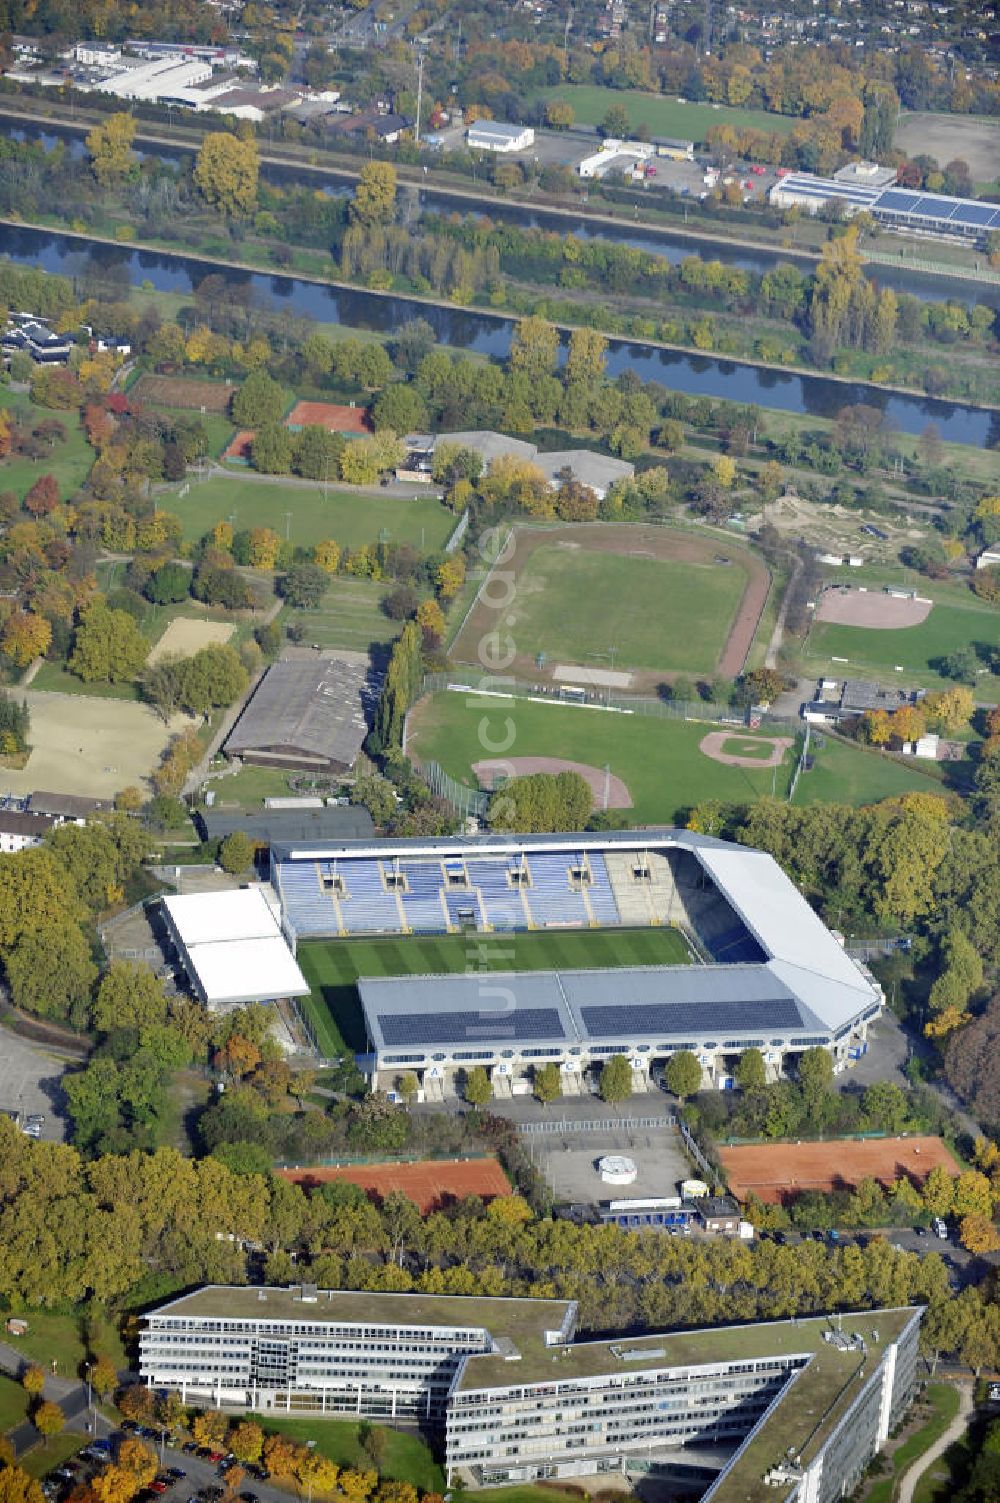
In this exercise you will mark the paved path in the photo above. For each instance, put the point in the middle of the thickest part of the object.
(954, 1432)
(69, 1393)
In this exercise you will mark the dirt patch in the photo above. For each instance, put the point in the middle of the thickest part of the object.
(951, 137)
(872, 609)
(329, 415)
(430, 1184)
(184, 637)
(714, 746)
(637, 539)
(90, 746)
(777, 1172)
(618, 796)
(182, 391)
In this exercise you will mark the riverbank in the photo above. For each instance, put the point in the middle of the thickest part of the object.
(500, 317)
(483, 196)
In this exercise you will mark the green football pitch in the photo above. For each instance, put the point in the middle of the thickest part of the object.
(332, 967)
(657, 612)
(664, 114)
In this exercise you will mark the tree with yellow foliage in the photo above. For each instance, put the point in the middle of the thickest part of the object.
(226, 173)
(110, 147)
(222, 536)
(978, 1234)
(950, 709)
(263, 547)
(450, 576)
(25, 637)
(430, 619)
(374, 199)
(136, 1458)
(725, 471)
(327, 555)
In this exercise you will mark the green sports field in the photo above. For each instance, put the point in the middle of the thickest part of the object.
(332, 967)
(655, 613)
(659, 761)
(349, 615)
(664, 114)
(306, 516)
(916, 649)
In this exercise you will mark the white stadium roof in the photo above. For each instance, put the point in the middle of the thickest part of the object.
(233, 947)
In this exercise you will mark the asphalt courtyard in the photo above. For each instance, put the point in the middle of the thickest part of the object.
(30, 1082)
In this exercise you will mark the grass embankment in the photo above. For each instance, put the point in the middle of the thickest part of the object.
(332, 967)
(943, 1400)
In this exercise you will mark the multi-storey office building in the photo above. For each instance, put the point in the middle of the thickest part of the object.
(800, 1406)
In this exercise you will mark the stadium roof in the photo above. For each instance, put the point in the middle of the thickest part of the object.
(333, 822)
(967, 213)
(823, 188)
(805, 965)
(233, 947)
(316, 707)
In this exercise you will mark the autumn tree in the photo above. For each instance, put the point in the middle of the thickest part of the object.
(547, 1082)
(616, 1079)
(50, 972)
(130, 996)
(978, 1233)
(108, 646)
(110, 148)
(43, 497)
(226, 172)
(209, 1428)
(138, 1460)
(683, 1074)
(103, 1377)
(48, 1419)
(374, 200)
(751, 1072)
(478, 1086)
(950, 709)
(236, 854)
(430, 619)
(33, 1381)
(534, 347)
(25, 637)
(246, 1441)
(327, 555)
(259, 400)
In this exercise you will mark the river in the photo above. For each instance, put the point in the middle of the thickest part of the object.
(697, 375)
(661, 242)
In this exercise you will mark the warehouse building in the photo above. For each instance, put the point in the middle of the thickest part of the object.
(789, 1409)
(311, 713)
(490, 135)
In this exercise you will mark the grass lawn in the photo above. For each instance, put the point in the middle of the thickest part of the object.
(61, 1337)
(333, 966)
(218, 427)
(943, 1400)
(349, 615)
(59, 680)
(844, 774)
(659, 760)
(349, 517)
(69, 461)
(405, 1458)
(914, 648)
(51, 1453)
(13, 1403)
(665, 115)
(657, 613)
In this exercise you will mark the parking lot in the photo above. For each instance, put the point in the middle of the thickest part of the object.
(569, 1163)
(30, 1083)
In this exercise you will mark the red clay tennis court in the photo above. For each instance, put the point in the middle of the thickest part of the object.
(329, 415)
(430, 1183)
(777, 1172)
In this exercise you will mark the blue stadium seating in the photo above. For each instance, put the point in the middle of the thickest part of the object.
(308, 907)
(459, 901)
(734, 946)
(550, 897)
(501, 902)
(422, 898)
(602, 898)
(367, 907)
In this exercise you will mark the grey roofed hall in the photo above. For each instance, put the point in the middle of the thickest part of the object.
(598, 471)
(333, 822)
(489, 445)
(312, 712)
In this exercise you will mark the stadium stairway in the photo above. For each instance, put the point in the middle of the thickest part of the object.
(632, 898)
(501, 1087)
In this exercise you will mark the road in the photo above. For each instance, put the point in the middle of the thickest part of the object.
(954, 1432)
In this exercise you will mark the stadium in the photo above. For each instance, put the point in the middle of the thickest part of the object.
(742, 959)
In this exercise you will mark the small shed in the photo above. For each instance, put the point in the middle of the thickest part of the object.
(16, 1325)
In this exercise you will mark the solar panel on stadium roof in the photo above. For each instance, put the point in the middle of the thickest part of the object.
(634, 1020)
(895, 199)
(979, 214)
(936, 208)
(519, 1024)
